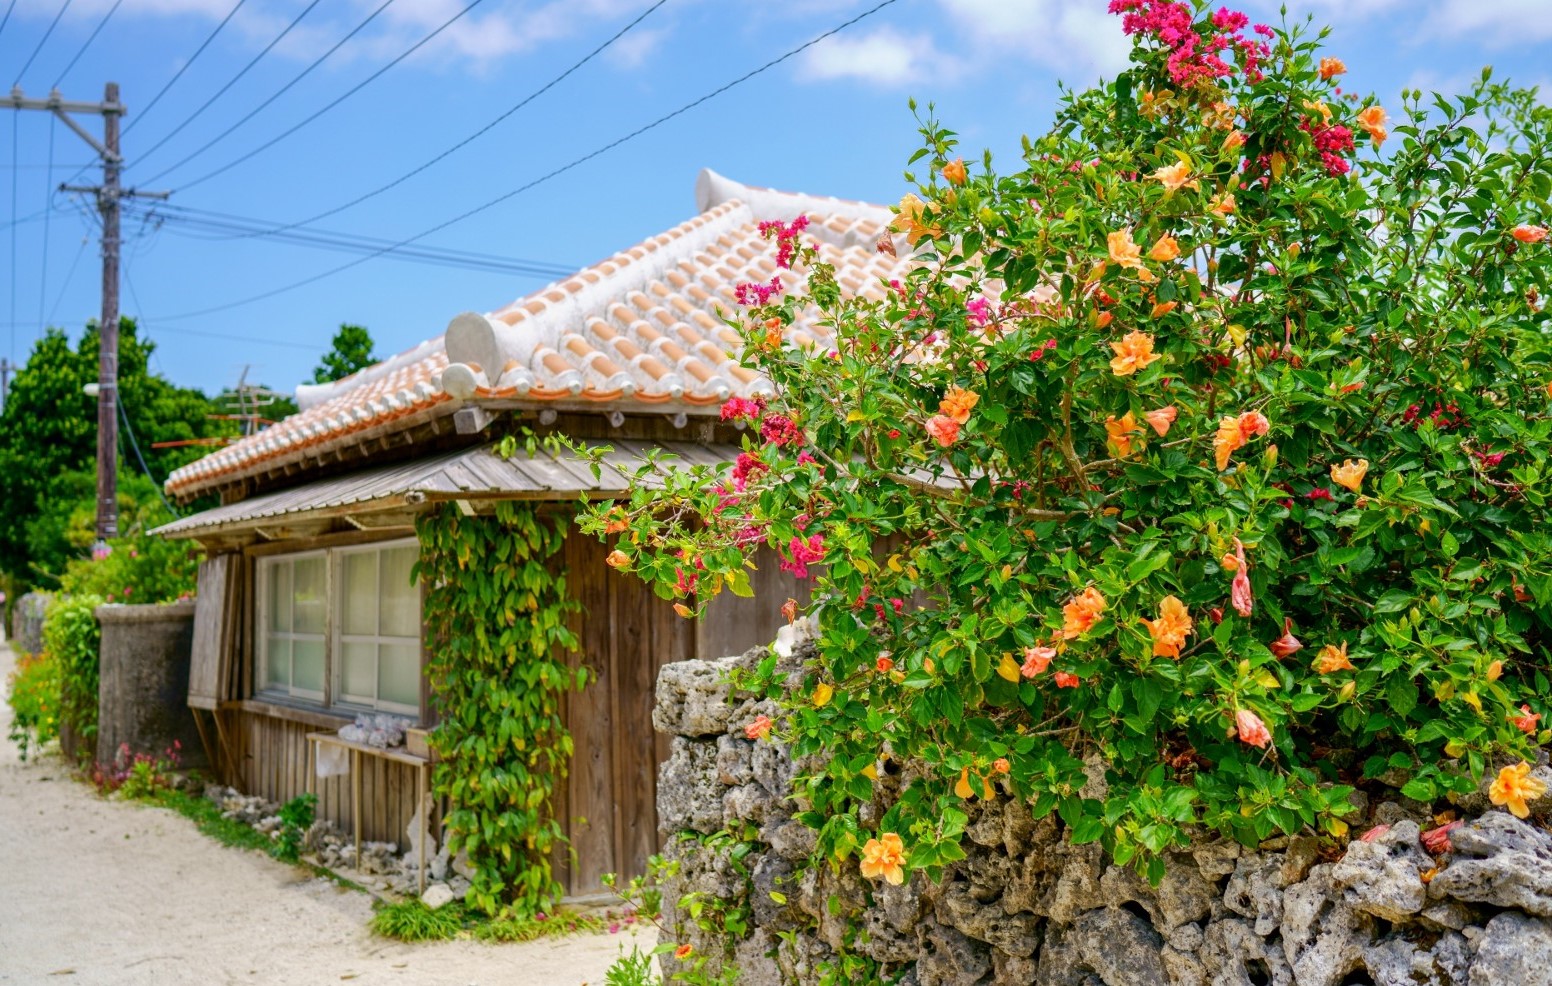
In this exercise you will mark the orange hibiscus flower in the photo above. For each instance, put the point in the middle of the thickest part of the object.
(1036, 660)
(1350, 473)
(1121, 434)
(1372, 120)
(1235, 432)
(943, 429)
(1123, 250)
(1527, 721)
(912, 220)
(1165, 248)
(1134, 352)
(1514, 787)
(1330, 68)
(1251, 730)
(1169, 631)
(1529, 234)
(954, 172)
(958, 402)
(882, 857)
(1332, 659)
(1223, 205)
(1082, 612)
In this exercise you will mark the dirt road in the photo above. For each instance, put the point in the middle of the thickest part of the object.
(107, 893)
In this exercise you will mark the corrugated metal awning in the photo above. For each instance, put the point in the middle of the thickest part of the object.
(471, 474)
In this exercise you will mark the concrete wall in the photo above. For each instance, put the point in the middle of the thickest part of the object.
(26, 630)
(144, 680)
(1027, 907)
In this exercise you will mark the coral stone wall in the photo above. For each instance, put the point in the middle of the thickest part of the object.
(1027, 907)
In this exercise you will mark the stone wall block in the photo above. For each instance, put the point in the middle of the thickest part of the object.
(143, 681)
(1499, 860)
(1386, 875)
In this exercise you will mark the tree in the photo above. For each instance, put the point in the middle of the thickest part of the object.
(48, 431)
(352, 351)
(1207, 449)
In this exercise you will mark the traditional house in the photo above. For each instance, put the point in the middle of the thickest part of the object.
(307, 615)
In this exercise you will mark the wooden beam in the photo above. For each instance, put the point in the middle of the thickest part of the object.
(471, 420)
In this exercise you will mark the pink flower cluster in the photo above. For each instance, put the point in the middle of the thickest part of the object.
(1041, 350)
(745, 468)
(780, 430)
(978, 311)
(750, 293)
(1443, 416)
(742, 409)
(786, 238)
(1194, 58)
(1331, 142)
(804, 552)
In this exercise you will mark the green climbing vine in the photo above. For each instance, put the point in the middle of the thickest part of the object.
(496, 619)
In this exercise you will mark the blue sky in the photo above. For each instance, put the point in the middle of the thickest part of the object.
(832, 120)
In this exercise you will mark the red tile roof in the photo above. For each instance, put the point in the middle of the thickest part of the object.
(636, 332)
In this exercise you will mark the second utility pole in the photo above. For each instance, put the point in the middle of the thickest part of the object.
(108, 195)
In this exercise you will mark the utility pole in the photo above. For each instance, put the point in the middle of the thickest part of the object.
(108, 196)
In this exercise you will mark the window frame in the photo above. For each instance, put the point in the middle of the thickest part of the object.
(332, 699)
(337, 634)
(262, 631)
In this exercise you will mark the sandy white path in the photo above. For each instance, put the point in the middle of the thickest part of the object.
(105, 893)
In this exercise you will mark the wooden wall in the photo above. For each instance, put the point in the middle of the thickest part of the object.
(270, 758)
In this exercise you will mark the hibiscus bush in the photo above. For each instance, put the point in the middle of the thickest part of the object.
(1205, 449)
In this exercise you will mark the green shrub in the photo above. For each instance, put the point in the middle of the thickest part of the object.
(72, 635)
(1206, 444)
(138, 569)
(33, 692)
(412, 921)
(296, 817)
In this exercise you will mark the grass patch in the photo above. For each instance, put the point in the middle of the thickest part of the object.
(207, 817)
(413, 921)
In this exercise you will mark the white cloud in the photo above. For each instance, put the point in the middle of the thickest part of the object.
(884, 57)
(1501, 23)
(633, 50)
(1061, 35)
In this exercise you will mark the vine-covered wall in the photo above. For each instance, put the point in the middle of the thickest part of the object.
(496, 613)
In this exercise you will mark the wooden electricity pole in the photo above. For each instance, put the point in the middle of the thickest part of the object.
(109, 193)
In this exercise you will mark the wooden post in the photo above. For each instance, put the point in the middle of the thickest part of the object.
(108, 348)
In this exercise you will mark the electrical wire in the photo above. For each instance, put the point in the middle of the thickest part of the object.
(483, 130)
(129, 281)
(41, 42)
(69, 274)
(185, 66)
(537, 181)
(216, 225)
(250, 155)
(7, 18)
(233, 81)
(134, 443)
(48, 180)
(285, 88)
(93, 37)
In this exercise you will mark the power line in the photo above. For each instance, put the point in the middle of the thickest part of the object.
(135, 444)
(220, 92)
(82, 50)
(48, 179)
(7, 18)
(41, 42)
(185, 66)
(541, 179)
(483, 130)
(140, 322)
(65, 287)
(285, 88)
(250, 155)
(214, 224)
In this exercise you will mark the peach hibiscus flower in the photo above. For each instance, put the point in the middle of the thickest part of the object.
(882, 857)
(1514, 787)
(1065, 679)
(1527, 721)
(1134, 352)
(1175, 176)
(1169, 631)
(1330, 68)
(1082, 612)
(943, 429)
(954, 172)
(1529, 234)
(1223, 205)
(1160, 419)
(912, 220)
(1036, 660)
(1251, 730)
(759, 728)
